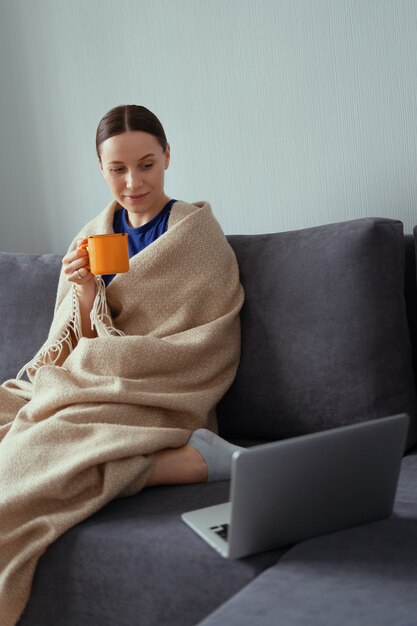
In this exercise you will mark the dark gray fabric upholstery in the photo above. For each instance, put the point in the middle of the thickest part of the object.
(136, 562)
(411, 294)
(325, 339)
(361, 576)
(324, 342)
(28, 284)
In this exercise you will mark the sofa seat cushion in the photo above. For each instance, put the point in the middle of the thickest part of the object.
(325, 338)
(363, 575)
(137, 562)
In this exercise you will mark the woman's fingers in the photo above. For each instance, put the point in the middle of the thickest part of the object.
(80, 276)
(75, 265)
(74, 261)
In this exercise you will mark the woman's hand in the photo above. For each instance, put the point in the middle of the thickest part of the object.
(75, 267)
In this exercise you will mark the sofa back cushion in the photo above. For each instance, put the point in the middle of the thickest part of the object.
(325, 339)
(411, 294)
(28, 285)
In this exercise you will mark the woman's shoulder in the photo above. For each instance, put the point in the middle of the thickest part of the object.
(197, 219)
(182, 209)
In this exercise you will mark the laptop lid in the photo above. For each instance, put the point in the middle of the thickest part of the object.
(290, 490)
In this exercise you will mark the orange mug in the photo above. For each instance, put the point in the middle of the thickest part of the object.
(108, 254)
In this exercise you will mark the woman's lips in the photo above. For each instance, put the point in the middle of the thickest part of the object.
(138, 197)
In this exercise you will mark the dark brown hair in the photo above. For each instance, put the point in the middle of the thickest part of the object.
(129, 117)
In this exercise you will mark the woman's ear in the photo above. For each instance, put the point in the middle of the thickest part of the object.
(167, 156)
(101, 166)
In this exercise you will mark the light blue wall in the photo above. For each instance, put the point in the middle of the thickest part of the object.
(282, 113)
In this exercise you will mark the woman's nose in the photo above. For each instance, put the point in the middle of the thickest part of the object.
(133, 180)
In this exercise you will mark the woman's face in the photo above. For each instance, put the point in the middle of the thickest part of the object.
(133, 165)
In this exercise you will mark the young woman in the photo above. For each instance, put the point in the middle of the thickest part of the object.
(133, 155)
(122, 394)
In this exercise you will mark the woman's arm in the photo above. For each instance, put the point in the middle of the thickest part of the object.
(75, 267)
(86, 294)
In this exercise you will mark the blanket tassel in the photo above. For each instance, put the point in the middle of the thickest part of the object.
(100, 319)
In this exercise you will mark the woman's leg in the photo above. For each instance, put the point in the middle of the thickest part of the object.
(178, 466)
(206, 457)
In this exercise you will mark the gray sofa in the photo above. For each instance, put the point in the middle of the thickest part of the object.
(329, 337)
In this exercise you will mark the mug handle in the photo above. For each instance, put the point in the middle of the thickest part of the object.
(84, 246)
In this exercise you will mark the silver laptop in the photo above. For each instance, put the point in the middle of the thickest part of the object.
(290, 490)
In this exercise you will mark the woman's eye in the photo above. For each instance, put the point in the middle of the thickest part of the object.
(147, 166)
(116, 170)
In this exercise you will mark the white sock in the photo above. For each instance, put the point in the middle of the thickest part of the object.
(217, 453)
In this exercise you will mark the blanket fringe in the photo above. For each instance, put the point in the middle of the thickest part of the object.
(100, 319)
(99, 316)
(50, 354)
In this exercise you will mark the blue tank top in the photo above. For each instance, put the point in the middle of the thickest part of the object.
(139, 238)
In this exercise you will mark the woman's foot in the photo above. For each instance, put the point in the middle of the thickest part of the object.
(206, 457)
(217, 453)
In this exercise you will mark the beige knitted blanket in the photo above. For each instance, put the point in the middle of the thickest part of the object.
(83, 430)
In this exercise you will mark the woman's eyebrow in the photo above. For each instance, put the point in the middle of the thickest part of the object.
(141, 159)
